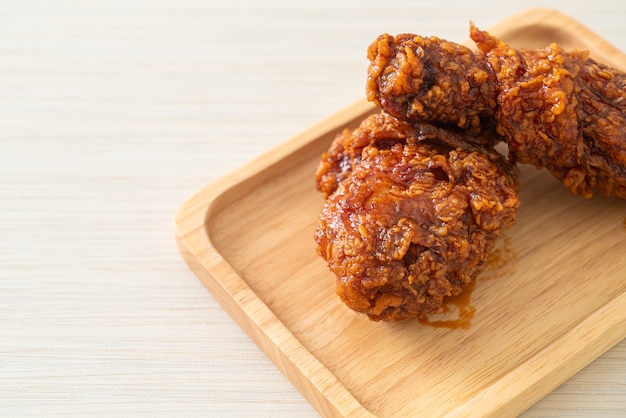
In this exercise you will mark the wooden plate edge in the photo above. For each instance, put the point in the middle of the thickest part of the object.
(276, 341)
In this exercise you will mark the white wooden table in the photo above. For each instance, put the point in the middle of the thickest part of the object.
(114, 112)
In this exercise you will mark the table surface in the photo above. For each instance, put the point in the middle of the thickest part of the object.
(112, 113)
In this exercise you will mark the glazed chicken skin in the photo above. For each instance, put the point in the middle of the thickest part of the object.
(382, 130)
(409, 221)
(556, 109)
(378, 130)
(563, 111)
(417, 78)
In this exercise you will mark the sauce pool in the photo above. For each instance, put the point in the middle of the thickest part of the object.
(498, 265)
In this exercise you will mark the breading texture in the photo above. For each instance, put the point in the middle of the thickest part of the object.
(417, 194)
(381, 130)
(411, 219)
(556, 109)
(563, 111)
(419, 78)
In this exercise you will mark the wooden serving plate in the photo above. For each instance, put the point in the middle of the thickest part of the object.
(552, 298)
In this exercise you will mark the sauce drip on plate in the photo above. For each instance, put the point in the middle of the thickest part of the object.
(499, 264)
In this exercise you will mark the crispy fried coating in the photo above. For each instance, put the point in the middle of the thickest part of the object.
(429, 79)
(563, 111)
(382, 130)
(411, 221)
(379, 130)
(556, 109)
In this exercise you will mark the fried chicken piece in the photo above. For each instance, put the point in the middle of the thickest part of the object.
(383, 130)
(563, 111)
(379, 130)
(556, 109)
(418, 78)
(412, 221)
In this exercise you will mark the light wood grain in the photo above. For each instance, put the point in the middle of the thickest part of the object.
(112, 113)
(559, 300)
